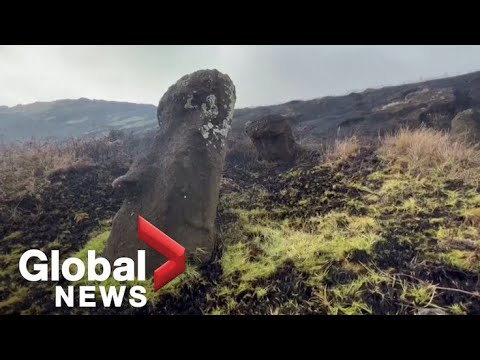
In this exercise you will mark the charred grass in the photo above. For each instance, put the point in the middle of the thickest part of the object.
(390, 228)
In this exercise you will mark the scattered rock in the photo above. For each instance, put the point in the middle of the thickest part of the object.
(175, 186)
(431, 312)
(466, 125)
(433, 108)
(273, 138)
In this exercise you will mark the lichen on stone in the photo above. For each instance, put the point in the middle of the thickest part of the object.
(188, 104)
(218, 132)
(210, 109)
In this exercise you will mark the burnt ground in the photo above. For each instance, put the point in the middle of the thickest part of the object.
(298, 192)
(60, 218)
(406, 265)
(52, 215)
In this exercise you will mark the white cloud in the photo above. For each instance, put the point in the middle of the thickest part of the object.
(262, 74)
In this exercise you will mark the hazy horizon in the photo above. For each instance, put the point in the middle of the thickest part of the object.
(263, 75)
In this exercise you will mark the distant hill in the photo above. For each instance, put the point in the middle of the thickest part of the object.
(373, 111)
(73, 118)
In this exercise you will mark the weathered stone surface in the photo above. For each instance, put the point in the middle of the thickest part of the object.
(175, 185)
(466, 126)
(273, 138)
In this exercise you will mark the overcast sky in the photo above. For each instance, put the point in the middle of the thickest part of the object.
(263, 75)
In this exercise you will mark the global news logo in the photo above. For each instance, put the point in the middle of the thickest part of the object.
(100, 269)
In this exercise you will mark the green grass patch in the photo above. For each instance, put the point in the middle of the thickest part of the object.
(17, 297)
(17, 235)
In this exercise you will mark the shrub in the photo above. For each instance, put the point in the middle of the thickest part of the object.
(343, 149)
(425, 152)
(25, 168)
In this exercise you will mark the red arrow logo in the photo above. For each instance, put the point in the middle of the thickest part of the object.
(162, 243)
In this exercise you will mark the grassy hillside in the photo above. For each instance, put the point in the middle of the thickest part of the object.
(391, 227)
(62, 119)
